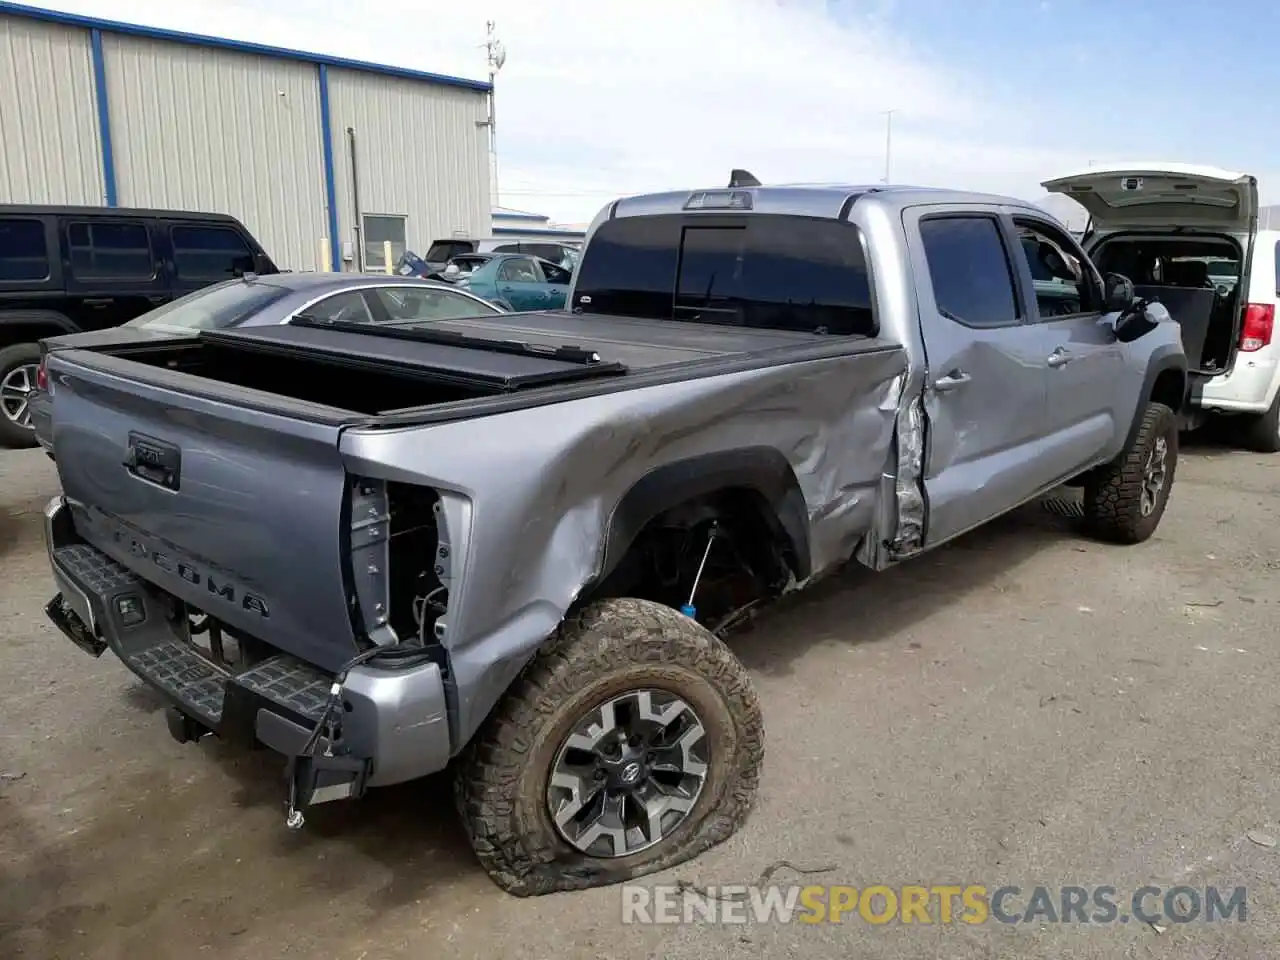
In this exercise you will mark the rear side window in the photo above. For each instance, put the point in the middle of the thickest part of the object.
(768, 271)
(209, 253)
(110, 250)
(969, 267)
(23, 254)
(509, 248)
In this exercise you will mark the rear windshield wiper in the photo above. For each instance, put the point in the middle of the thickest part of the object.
(450, 338)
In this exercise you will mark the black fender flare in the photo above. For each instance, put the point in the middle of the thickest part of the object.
(1164, 359)
(763, 470)
(60, 322)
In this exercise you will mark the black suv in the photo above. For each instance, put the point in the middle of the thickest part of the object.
(68, 269)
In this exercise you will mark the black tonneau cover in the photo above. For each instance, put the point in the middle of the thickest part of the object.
(637, 343)
(502, 363)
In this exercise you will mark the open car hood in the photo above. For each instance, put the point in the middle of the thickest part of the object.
(1144, 195)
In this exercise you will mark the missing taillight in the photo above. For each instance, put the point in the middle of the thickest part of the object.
(1259, 323)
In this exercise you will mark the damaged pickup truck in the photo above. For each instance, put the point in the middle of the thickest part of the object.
(513, 544)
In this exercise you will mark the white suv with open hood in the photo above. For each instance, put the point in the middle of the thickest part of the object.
(1181, 233)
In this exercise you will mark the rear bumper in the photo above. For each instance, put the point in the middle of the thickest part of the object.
(395, 719)
(1248, 388)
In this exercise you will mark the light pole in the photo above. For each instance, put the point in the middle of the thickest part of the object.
(888, 141)
(496, 54)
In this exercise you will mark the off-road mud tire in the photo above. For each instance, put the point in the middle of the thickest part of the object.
(609, 647)
(1113, 493)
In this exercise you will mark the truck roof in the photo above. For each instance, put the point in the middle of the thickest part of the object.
(826, 200)
(53, 209)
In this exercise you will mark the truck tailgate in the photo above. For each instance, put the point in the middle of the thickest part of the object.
(237, 510)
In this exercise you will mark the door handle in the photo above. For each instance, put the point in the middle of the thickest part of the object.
(955, 378)
(1060, 358)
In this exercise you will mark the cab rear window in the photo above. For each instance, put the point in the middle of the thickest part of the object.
(764, 271)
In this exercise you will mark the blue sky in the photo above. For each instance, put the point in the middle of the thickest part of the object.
(605, 97)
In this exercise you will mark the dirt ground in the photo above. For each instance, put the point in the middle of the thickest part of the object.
(1024, 707)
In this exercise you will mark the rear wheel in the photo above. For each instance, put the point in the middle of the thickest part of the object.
(1124, 501)
(1262, 433)
(18, 365)
(633, 742)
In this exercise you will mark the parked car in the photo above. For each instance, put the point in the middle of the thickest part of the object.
(519, 540)
(1182, 233)
(519, 283)
(68, 269)
(263, 301)
(562, 253)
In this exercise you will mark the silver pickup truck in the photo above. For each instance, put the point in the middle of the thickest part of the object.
(513, 544)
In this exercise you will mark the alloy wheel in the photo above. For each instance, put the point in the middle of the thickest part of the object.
(15, 393)
(628, 773)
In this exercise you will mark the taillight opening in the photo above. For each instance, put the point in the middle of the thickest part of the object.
(42, 376)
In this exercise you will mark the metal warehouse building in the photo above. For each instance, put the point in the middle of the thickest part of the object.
(322, 158)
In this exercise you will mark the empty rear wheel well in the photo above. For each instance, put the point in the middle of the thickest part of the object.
(750, 559)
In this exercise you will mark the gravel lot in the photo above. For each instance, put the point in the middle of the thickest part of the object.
(1024, 707)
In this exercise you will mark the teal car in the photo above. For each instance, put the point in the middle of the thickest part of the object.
(517, 282)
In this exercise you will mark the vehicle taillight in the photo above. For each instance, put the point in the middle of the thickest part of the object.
(42, 376)
(1259, 321)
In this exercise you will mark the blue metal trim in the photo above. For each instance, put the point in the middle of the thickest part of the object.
(330, 181)
(221, 43)
(104, 116)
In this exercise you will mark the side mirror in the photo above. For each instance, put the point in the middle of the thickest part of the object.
(451, 271)
(1119, 293)
(1139, 319)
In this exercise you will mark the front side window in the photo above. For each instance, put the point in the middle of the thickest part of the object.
(764, 271)
(216, 307)
(970, 271)
(209, 253)
(1063, 285)
(23, 253)
(555, 274)
(422, 303)
(110, 250)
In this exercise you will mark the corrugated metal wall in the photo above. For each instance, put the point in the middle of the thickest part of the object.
(50, 151)
(419, 154)
(195, 128)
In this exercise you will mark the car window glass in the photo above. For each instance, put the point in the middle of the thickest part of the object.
(767, 271)
(215, 307)
(109, 249)
(972, 280)
(508, 248)
(347, 307)
(555, 274)
(23, 253)
(209, 253)
(1063, 285)
(425, 303)
(518, 271)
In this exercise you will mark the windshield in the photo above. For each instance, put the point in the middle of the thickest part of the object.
(764, 270)
(222, 305)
